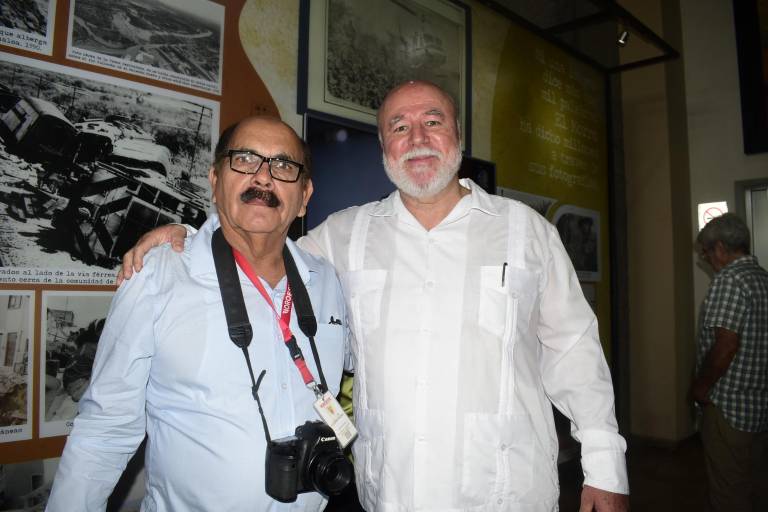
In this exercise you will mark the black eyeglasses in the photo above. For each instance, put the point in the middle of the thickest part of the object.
(246, 161)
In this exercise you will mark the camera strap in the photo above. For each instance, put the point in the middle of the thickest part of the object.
(238, 325)
(295, 294)
(240, 331)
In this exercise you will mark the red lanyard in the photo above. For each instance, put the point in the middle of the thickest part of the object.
(283, 318)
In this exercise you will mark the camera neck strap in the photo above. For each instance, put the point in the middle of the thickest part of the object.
(295, 294)
(240, 331)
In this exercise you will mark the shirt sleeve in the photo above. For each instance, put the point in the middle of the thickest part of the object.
(331, 238)
(111, 422)
(316, 242)
(191, 230)
(349, 358)
(727, 304)
(575, 374)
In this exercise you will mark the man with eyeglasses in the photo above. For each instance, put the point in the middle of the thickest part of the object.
(166, 366)
(731, 382)
(468, 323)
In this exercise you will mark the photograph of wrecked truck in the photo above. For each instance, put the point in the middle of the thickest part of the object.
(89, 163)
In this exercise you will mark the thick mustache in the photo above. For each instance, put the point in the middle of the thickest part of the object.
(419, 152)
(269, 198)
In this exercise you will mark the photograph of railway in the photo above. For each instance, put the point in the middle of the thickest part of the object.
(88, 163)
(178, 41)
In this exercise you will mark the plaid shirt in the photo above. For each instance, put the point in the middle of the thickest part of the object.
(737, 300)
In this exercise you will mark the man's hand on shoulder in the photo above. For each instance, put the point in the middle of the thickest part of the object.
(133, 260)
(598, 500)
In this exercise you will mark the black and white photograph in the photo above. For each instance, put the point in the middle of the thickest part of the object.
(16, 345)
(357, 51)
(88, 163)
(541, 204)
(71, 325)
(175, 41)
(28, 24)
(579, 230)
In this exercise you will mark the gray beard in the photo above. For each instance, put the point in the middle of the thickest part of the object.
(446, 172)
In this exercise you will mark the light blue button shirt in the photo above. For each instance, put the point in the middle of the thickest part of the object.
(165, 365)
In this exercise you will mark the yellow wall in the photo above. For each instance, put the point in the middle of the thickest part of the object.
(549, 139)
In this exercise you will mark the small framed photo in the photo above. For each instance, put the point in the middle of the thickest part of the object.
(17, 311)
(71, 327)
(352, 53)
(579, 230)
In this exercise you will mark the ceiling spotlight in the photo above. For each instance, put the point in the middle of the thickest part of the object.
(623, 38)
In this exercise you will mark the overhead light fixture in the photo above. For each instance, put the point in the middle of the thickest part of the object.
(623, 38)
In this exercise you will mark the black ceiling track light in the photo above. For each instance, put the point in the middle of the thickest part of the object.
(590, 30)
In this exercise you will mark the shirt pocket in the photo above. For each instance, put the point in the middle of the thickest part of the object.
(497, 458)
(497, 308)
(363, 290)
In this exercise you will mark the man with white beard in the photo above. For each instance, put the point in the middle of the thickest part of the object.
(468, 321)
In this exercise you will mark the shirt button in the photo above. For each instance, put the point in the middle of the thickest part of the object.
(429, 285)
(284, 385)
(503, 447)
(421, 439)
(500, 501)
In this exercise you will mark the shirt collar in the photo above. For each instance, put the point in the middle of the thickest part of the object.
(201, 256)
(742, 260)
(479, 199)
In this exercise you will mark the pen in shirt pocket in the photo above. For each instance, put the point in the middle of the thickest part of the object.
(503, 273)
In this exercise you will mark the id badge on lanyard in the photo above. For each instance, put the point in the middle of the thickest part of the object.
(326, 405)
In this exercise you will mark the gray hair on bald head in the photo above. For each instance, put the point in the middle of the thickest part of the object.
(727, 229)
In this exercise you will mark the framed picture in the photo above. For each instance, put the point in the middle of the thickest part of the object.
(579, 230)
(751, 20)
(125, 155)
(17, 334)
(179, 42)
(351, 53)
(71, 323)
(482, 172)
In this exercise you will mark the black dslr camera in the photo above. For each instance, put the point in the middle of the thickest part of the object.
(310, 460)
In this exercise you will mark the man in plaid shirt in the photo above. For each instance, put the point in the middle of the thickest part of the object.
(731, 383)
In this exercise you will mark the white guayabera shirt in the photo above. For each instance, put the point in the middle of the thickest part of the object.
(463, 335)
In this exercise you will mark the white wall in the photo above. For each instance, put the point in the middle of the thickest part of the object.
(717, 158)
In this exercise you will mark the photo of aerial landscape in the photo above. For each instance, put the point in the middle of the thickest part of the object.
(182, 38)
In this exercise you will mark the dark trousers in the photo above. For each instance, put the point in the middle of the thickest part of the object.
(732, 459)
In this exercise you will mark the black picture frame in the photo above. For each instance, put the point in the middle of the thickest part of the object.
(754, 88)
(315, 96)
(482, 172)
